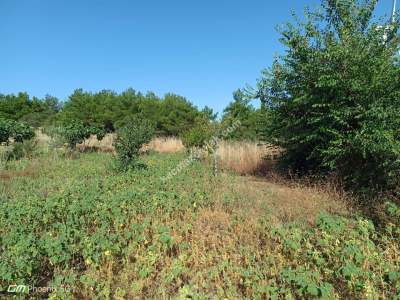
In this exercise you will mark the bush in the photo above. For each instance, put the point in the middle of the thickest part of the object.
(15, 130)
(22, 132)
(332, 102)
(130, 140)
(75, 133)
(5, 131)
(198, 136)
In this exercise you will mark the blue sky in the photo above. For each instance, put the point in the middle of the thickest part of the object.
(202, 50)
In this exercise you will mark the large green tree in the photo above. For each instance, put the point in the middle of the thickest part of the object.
(332, 101)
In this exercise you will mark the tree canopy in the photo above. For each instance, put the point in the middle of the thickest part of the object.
(35, 111)
(172, 114)
(332, 101)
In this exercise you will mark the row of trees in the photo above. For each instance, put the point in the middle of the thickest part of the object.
(106, 111)
(32, 111)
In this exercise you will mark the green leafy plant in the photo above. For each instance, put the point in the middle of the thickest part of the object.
(76, 224)
(19, 132)
(5, 131)
(332, 101)
(198, 136)
(75, 132)
(130, 140)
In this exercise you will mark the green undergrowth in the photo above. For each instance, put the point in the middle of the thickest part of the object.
(102, 234)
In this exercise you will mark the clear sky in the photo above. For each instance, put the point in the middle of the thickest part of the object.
(202, 49)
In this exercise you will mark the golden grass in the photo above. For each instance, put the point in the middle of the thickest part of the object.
(92, 144)
(246, 157)
(158, 144)
(291, 202)
(166, 145)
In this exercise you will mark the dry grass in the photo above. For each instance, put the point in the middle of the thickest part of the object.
(92, 144)
(158, 144)
(282, 200)
(166, 145)
(246, 157)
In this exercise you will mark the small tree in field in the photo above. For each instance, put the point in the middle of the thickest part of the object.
(130, 140)
(75, 132)
(333, 100)
(19, 132)
(199, 135)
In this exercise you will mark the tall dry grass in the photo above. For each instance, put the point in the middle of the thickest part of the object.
(246, 157)
(166, 144)
(159, 144)
(93, 144)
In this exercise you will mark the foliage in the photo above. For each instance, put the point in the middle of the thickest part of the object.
(199, 135)
(130, 140)
(5, 131)
(241, 110)
(74, 133)
(208, 114)
(172, 114)
(19, 132)
(332, 102)
(34, 112)
(132, 235)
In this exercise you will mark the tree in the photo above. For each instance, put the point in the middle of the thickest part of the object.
(35, 112)
(209, 114)
(241, 110)
(333, 100)
(130, 140)
(177, 115)
(199, 135)
(172, 115)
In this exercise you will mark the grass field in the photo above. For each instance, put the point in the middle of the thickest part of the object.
(78, 224)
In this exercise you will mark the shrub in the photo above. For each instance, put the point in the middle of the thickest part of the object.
(22, 132)
(15, 130)
(75, 133)
(130, 140)
(332, 102)
(5, 131)
(198, 136)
